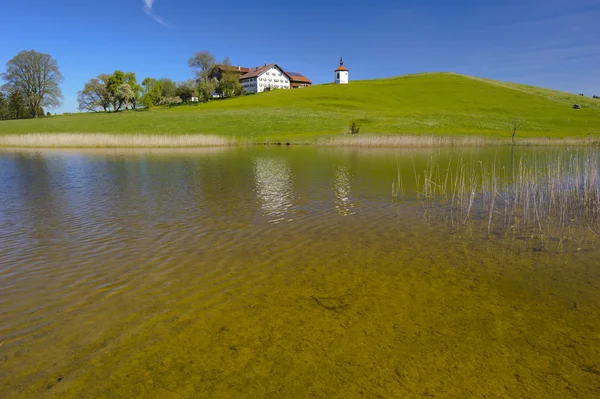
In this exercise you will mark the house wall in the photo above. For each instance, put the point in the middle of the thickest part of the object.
(274, 78)
(343, 77)
(297, 85)
(249, 85)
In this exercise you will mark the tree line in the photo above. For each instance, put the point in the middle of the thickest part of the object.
(121, 90)
(32, 83)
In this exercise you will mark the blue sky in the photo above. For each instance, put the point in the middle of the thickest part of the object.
(550, 43)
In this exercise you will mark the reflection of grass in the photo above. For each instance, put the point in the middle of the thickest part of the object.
(432, 104)
(550, 202)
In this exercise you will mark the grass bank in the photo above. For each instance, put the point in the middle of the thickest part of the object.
(438, 104)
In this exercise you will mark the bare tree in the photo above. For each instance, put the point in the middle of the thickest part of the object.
(36, 77)
(516, 125)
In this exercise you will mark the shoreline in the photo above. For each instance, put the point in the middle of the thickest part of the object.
(109, 140)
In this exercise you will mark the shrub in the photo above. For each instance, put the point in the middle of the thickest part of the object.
(354, 129)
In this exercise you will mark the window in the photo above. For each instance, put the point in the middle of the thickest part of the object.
(338, 75)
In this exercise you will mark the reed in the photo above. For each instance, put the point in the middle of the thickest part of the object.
(103, 140)
(432, 141)
(552, 204)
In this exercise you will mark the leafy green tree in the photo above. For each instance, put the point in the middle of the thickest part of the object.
(35, 76)
(229, 85)
(147, 101)
(16, 105)
(168, 87)
(186, 90)
(4, 114)
(114, 82)
(152, 92)
(206, 89)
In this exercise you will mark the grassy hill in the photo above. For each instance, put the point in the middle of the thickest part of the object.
(435, 103)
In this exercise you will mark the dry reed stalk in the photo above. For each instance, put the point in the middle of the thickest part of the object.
(417, 141)
(422, 141)
(105, 140)
(554, 199)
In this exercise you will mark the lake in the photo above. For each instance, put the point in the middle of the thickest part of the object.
(300, 272)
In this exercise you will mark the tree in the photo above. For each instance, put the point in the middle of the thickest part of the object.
(186, 90)
(95, 94)
(126, 95)
(37, 78)
(171, 100)
(152, 92)
(114, 82)
(516, 125)
(16, 105)
(229, 85)
(131, 80)
(202, 64)
(147, 101)
(168, 87)
(206, 89)
(4, 114)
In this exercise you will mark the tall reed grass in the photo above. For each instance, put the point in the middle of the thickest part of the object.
(422, 141)
(552, 203)
(102, 140)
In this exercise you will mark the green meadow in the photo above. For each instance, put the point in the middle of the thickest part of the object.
(423, 104)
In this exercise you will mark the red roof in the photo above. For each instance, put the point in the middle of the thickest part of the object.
(255, 72)
(297, 78)
(233, 68)
(341, 68)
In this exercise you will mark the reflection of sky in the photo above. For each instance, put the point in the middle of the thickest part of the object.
(273, 181)
(341, 189)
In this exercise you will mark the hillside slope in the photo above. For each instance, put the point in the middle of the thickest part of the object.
(436, 103)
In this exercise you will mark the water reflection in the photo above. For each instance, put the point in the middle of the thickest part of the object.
(341, 189)
(116, 265)
(274, 188)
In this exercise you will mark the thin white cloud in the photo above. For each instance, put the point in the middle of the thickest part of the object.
(148, 4)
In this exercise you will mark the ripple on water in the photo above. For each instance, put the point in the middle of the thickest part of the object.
(257, 273)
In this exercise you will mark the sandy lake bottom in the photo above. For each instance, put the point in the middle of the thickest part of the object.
(276, 273)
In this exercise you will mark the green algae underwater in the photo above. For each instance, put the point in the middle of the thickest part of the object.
(281, 272)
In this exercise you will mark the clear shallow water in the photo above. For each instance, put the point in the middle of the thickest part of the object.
(274, 272)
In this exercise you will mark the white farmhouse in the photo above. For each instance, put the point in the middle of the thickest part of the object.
(341, 74)
(263, 78)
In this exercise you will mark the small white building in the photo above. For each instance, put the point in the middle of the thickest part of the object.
(341, 74)
(263, 78)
